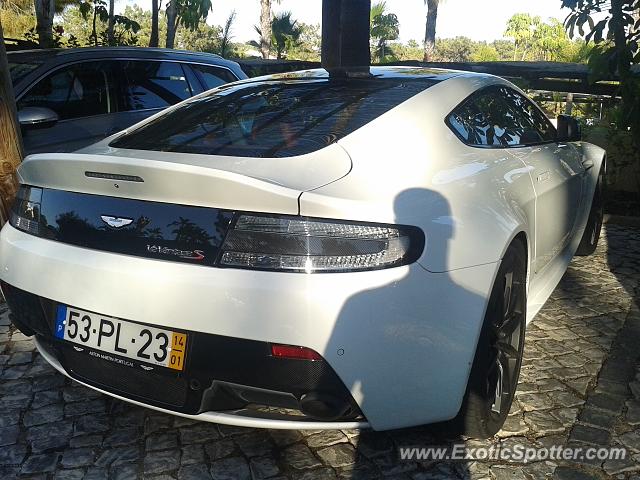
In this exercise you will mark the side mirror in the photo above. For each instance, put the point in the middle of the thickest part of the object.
(37, 117)
(568, 129)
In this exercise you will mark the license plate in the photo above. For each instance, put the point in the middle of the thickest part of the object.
(120, 337)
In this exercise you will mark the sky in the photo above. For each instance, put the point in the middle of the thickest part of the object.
(478, 20)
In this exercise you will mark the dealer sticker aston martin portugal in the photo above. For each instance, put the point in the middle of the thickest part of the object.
(120, 337)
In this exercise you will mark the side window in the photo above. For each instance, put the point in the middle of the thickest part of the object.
(534, 116)
(79, 90)
(499, 117)
(152, 85)
(213, 77)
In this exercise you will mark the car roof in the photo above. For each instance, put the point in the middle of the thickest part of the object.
(65, 54)
(372, 73)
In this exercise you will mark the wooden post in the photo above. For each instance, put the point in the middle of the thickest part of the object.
(331, 33)
(568, 109)
(345, 34)
(355, 33)
(11, 152)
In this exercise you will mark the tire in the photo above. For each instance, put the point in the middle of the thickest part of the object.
(591, 235)
(496, 367)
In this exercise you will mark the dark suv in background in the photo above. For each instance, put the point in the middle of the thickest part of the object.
(68, 99)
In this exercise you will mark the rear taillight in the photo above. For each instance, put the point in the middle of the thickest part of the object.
(312, 245)
(25, 214)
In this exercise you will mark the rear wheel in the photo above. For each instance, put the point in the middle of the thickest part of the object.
(591, 233)
(496, 367)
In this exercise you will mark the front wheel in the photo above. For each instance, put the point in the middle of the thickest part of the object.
(591, 234)
(496, 366)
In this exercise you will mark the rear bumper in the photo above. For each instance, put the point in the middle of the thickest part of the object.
(225, 418)
(400, 340)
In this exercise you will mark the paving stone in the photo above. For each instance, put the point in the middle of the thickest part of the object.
(572, 473)
(192, 454)
(255, 444)
(598, 418)
(70, 474)
(89, 424)
(49, 443)
(89, 407)
(543, 423)
(162, 441)
(203, 432)
(616, 467)
(155, 423)
(78, 457)
(589, 435)
(263, 467)
(611, 403)
(116, 456)
(219, 449)
(339, 455)
(534, 401)
(283, 438)
(9, 417)
(233, 468)
(161, 462)
(300, 457)
(12, 454)
(125, 471)
(326, 438)
(122, 437)
(631, 440)
(194, 472)
(48, 414)
(40, 463)
(317, 474)
(96, 473)
(633, 412)
(44, 398)
(86, 441)
(9, 435)
(373, 444)
(20, 358)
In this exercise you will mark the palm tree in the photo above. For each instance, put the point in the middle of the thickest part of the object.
(265, 27)
(285, 33)
(430, 30)
(383, 26)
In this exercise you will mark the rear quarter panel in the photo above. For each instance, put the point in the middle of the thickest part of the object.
(409, 168)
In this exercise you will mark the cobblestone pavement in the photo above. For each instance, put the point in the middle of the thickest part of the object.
(580, 385)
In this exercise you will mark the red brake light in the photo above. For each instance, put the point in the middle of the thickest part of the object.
(299, 353)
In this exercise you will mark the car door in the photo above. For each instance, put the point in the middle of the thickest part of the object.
(557, 174)
(148, 86)
(82, 95)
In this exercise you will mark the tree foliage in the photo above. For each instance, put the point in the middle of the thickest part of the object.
(383, 27)
(614, 27)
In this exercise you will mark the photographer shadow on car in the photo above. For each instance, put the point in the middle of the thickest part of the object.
(406, 347)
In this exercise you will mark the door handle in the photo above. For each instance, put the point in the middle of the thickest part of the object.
(544, 176)
(587, 164)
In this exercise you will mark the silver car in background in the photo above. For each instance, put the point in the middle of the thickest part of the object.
(70, 98)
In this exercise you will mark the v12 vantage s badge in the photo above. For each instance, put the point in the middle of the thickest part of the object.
(196, 255)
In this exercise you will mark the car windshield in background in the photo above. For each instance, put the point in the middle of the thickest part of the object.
(273, 119)
(18, 71)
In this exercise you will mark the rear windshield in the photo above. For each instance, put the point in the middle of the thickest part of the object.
(272, 119)
(18, 71)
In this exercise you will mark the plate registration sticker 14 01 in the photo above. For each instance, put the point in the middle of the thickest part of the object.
(121, 337)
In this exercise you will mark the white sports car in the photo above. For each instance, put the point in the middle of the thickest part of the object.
(306, 250)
